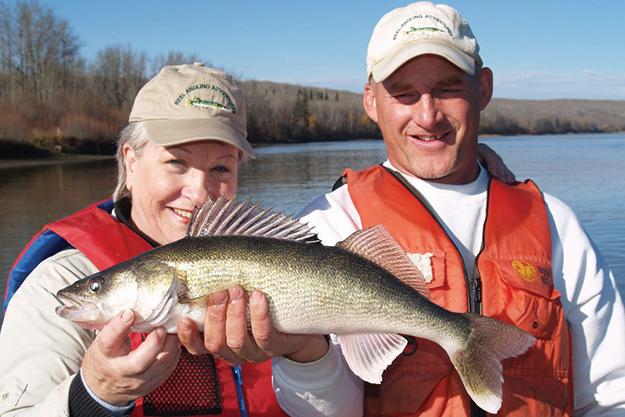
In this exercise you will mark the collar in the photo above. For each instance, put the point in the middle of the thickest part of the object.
(121, 210)
(474, 188)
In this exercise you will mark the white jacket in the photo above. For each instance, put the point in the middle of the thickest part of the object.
(40, 352)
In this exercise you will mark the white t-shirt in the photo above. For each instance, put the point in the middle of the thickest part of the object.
(589, 297)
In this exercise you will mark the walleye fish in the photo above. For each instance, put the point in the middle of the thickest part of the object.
(365, 290)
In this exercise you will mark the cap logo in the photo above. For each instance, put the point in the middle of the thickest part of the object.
(206, 103)
(425, 28)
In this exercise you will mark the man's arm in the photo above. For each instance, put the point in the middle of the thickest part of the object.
(595, 313)
(326, 387)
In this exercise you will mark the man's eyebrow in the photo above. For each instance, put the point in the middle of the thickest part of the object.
(399, 85)
(395, 85)
(453, 80)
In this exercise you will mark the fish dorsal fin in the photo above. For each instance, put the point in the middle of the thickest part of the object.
(229, 217)
(376, 244)
(368, 355)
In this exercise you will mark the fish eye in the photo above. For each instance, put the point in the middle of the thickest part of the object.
(95, 284)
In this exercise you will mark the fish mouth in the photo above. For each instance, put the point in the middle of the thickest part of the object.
(75, 309)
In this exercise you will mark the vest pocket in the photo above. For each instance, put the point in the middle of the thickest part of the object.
(409, 382)
(526, 298)
(532, 395)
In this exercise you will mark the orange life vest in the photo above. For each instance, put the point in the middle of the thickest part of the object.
(106, 242)
(512, 278)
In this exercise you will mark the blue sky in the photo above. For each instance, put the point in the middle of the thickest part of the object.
(537, 49)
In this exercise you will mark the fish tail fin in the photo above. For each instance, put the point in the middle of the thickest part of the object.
(479, 363)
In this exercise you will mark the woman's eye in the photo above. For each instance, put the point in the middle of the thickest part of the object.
(176, 162)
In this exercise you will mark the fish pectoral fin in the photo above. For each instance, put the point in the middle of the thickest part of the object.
(185, 299)
(184, 294)
(376, 244)
(369, 354)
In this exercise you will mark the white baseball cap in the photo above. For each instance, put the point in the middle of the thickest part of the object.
(188, 103)
(418, 29)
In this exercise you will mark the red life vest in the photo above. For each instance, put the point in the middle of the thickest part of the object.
(514, 267)
(106, 242)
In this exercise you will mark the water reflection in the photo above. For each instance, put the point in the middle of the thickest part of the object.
(585, 171)
(34, 196)
(290, 176)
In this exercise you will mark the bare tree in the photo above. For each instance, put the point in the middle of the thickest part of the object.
(40, 49)
(174, 58)
(118, 73)
(6, 50)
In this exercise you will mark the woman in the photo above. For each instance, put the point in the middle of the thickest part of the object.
(184, 143)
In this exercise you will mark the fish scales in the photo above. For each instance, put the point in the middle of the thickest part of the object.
(311, 288)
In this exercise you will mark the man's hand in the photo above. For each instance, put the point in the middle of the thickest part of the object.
(494, 164)
(118, 375)
(226, 332)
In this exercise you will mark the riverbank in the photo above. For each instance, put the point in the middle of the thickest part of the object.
(12, 157)
(14, 154)
(6, 164)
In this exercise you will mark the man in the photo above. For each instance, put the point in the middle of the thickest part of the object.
(508, 252)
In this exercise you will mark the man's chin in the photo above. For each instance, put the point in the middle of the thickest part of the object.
(434, 174)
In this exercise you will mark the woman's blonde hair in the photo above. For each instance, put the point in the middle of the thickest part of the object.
(136, 136)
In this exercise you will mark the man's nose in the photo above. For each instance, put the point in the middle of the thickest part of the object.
(426, 113)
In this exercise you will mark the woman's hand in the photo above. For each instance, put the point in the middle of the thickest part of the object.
(494, 164)
(118, 375)
(226, 332)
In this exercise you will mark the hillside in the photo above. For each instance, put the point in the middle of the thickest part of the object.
(505, 116)
(286, 113)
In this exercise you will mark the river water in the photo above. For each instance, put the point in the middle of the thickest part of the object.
(585, 171)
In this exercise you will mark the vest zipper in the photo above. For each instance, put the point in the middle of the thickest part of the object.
(474, 283)
(475, 303)
(475, 306)
(475, 292)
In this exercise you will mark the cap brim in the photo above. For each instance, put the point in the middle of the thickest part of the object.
(386, 67)
(170, 132)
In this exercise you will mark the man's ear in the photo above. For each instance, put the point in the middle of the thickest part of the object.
(486, 87)
(130, 161)
(369, 103)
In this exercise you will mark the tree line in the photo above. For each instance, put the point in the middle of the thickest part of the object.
(51, 97)
(55, 100)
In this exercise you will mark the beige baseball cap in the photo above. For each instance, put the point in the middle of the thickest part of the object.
(418, 29)
(188, 103)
